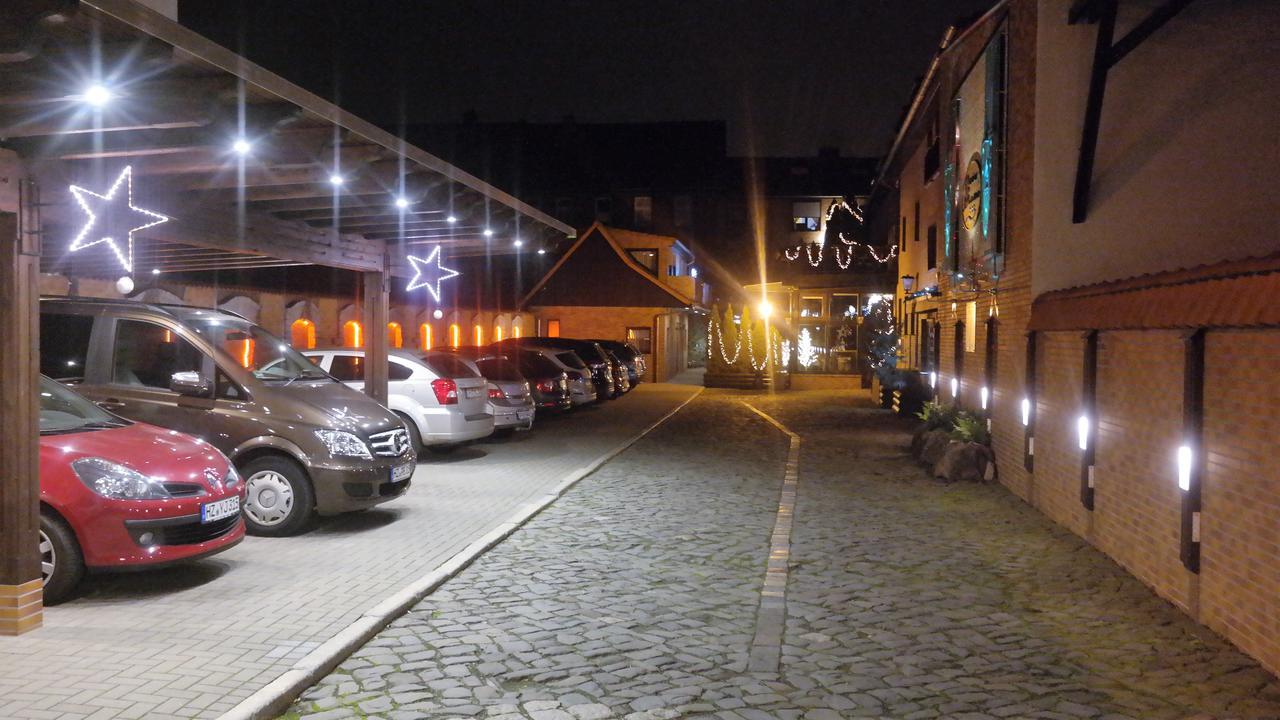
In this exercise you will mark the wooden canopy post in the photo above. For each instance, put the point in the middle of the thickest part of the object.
(21, 590)
(376, 300)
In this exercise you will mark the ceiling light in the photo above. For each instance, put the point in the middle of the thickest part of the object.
(155, 271)
(97, 95)
(241, 147)
(542, 251)
(451, 219)
(402, 202)
(518, 242)
(488, 232)
(335, 180)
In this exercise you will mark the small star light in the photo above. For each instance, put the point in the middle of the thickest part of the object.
(442, 273)
(112, 216)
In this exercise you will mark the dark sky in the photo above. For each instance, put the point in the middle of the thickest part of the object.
(787, 75)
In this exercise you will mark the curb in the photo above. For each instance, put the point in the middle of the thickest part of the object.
(273, 698)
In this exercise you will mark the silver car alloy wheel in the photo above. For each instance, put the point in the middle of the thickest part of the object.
(268, 498)
(48, 558)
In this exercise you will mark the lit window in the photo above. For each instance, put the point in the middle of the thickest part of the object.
(395, 335)
(806, 216)
(351, 334)
(302, 334)
(455, 335)
(424, 336)
(553, 328)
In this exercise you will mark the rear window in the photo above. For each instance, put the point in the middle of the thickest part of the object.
(571, 359)
(589, 353)
(624, 352)
(536, 366)
(64, 345)
(495, 369)
(448, 366)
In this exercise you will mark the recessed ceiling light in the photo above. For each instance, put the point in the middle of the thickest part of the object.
(97, 95)
(155, 271)
(451, 219)
(518, 242)
(542, 251)
(488, 232)
(242, 147)
(402, 202)
(335, 180)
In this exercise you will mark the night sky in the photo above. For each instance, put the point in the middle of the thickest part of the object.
(787, 76)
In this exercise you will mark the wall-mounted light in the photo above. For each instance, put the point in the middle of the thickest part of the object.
(97, 95)
(1082, 431)
(908, 283)
(1026, 412)
(955, 387)
(437, 313)
(693, 272)
(124, 285)
(985, 394)
(1184, 468)
(933, 380)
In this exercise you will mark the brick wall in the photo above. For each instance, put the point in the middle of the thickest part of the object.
(611, 323)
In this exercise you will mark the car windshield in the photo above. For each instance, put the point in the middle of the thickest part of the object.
(571, 359)
(448, 366)
(502, 370)
(62, 411)
(251, 347)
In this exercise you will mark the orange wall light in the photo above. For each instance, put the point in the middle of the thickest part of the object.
(352, 335)
(479, 335)
(302, 334)
(395, 335)
(424, 336)
(455, 335)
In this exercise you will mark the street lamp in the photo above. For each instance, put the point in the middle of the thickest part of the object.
(908, 283)
(765, 309)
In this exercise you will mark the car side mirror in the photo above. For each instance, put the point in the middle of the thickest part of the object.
(191, 384)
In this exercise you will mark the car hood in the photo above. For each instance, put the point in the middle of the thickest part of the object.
(329, 404)
(150, 450)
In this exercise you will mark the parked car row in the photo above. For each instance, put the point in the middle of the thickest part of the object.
(188, 427)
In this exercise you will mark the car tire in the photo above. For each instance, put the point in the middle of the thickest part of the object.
(443, 449)
(415, 437)
(61, 561)
(278, 497)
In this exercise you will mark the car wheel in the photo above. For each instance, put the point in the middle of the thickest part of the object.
(415, 438)
(61, 562)
(278, 499)
(443, 449)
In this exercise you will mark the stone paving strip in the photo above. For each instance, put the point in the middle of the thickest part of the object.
(193, 641)
(636, 595)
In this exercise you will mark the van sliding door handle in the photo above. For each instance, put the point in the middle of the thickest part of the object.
(110, 404)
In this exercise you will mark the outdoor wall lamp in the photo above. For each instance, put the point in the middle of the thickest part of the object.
(1184, 468)
(1026, 412)
(1082, 431)
(933, 380)
(908, 283)
(955, 387)
(985, 394)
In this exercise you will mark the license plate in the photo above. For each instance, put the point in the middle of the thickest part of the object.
(211, 512)
(401, 472)
(524, 415)
(472, 392)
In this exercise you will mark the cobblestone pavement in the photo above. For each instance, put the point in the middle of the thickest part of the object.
(635, 596)
(194, 640)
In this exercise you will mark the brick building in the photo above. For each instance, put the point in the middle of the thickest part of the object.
(1054, 257)
(615, 284)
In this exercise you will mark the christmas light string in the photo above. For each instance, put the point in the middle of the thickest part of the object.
(793, 253)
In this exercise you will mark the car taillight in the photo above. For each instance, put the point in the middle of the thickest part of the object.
(496, 394)
(546, 386)
(446, 391)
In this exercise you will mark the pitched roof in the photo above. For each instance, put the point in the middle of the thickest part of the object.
(1238, 293)
(611, 237)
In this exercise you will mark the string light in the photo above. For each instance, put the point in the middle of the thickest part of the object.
(442, 273)
(716, 336)
(793, 253)
(97, 207)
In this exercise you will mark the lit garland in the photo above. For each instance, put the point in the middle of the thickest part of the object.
(793, 253)
(806, 353)
(715, 336)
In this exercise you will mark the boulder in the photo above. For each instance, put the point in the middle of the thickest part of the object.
(963, 462)
(933, 446)
(917, 440)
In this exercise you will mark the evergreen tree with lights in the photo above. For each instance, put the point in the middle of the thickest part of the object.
(883, 350)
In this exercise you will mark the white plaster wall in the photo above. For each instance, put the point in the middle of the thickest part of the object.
(1188, 159)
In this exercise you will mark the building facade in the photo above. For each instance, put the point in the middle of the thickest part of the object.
(1114, 322)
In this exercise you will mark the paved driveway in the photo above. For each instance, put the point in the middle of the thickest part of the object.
(193, 641)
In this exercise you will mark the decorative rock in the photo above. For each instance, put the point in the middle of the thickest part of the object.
(963, 462)
(934, 446)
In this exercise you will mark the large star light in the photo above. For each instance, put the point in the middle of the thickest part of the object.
(432, 264)
(113, 218)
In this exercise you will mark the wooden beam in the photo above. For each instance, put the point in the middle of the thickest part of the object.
(376, 301)
(1093, 111)
(1144, 29)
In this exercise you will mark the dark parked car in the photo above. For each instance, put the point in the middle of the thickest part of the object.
(547, 382)
(628, 354)
(621, 378)
(591, 353)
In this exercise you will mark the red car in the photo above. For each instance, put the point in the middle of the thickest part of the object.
(117, 494)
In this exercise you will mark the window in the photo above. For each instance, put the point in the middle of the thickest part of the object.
(811, 307)
(399, 371)
(641, 337)
(933, 156)
(642, 211)
(902, 234)
(352, 335)
(682, 209)
(647, 258)
(604, 207)
(553, 328)
(933, 246)
(844, 306)
(148, 355)
(347, 368)
(915, 225)
(806, 217)
(516, 327)
(971, 326)
(395, 335)
(64, 345)
(302, 334)
(225, 388)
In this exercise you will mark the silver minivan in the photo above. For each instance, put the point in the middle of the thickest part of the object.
(303, 442)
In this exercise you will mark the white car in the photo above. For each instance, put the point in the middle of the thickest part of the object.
(441, 398)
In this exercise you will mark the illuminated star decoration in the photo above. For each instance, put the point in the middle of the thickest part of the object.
(442, 273)
(113, 217)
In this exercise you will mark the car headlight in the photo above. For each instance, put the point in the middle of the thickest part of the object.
(116, 481)
(344, 444)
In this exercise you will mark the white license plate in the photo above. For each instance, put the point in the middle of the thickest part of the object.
(401, 472)
(211, 512)
(472, 392)
(524, 414)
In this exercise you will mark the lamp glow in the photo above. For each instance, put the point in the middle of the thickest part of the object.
(765, 309)
(437, 314)
(1184, 468)
(242, 147)
(124, 285)
(488, 232)
(693, 272)
(402, 202)
(1082, 431)
(336, 180)
(155, 271)
(451, 219)
(542, 251)
(955, 387)
(933, 380)
(1026, 412)
(985, 394)
(97, 95)
(517, 242)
